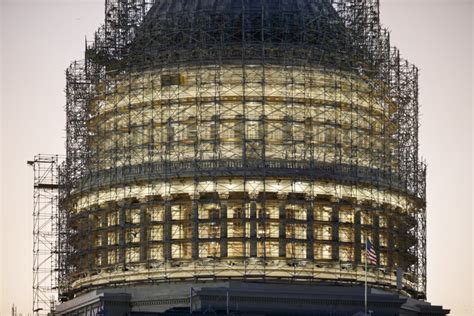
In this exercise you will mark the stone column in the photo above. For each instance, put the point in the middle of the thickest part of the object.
(282, 197)
(335, 231)
(167, 227)
(310, 227)
(223, 197)
(90, 233)
(376, 231)
(390, 241)
(253, 224)
(143, 234)
(357, 236)
(105, 239)
(121, 239)
(195, 225)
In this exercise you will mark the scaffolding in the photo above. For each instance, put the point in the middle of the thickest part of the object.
(45, 232)
(250, 141)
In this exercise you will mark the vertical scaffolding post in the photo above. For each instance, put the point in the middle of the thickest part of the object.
(45, 232)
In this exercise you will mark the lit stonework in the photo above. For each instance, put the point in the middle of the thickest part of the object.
(292, 123)
(256, 161)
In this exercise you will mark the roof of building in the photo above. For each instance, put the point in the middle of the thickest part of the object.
(293, 31)
(236, 7)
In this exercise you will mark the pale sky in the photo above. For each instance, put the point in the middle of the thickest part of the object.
(39, 38)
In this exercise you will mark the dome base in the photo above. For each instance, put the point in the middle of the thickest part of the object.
(244, 298)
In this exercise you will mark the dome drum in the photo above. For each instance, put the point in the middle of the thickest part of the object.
(242, 140)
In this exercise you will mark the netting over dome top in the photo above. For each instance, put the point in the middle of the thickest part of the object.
(304, 32)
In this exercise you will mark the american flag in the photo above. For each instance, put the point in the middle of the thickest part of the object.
(371, 255)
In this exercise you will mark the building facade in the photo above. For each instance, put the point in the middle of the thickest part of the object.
(215, 146)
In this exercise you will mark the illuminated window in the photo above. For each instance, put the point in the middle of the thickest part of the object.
(236, 249)
(296, 250)
(296, 231)
(155, 213)
(262, 213)
(253, 130)
(273, 212)
(383, 239)
(132, 254)
(238, 229)
(346, 253)
(132, 216)
(112, 238)
(132, 235)
(209, 249)
(366, 218)
(268, 230)
(346, 234)
(155, 233)
(112, 256)
(209, 230)
(383, 258)
(181, 231)
(98, 240)
(98, 259)
(155, 252)
(346, 216)
(322, 213)
(181, 251)
(180, 212)
(209, 211)
(322, 251)
(112, 218)
(268, 249)
(297, 212)
(323, 232)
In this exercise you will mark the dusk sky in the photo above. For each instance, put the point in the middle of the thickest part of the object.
(39, 38)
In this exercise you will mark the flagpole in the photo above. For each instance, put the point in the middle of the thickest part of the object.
(366, 258)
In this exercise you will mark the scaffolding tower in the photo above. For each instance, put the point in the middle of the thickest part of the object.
(45, 232)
